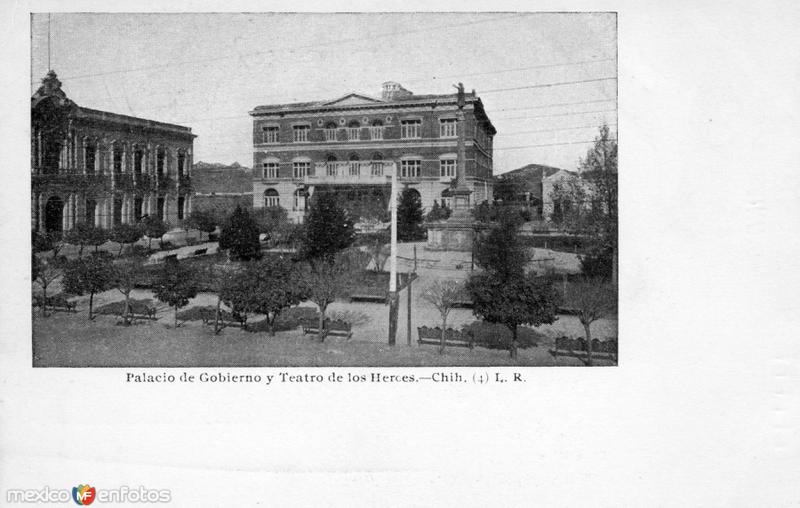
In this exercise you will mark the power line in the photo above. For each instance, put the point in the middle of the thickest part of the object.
(543, 106)
(416, 80)
(288, 48)
(544, 85)
(559, 114)
(547, 144)
(593, 126)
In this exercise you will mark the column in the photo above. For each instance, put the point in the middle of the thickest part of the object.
(41, 213)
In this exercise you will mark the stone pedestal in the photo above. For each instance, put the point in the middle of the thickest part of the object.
(456, 235)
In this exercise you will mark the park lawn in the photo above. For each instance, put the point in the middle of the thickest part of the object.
(69, 340)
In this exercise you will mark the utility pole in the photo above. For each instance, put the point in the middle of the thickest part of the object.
(408, 301)
(393, 297)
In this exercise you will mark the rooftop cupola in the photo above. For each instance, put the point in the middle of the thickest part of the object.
(392, 90)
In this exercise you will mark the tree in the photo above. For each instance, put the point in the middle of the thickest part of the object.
(521, 300)
(268, 287)
(269, 218)
(45, 272)
(92, 275)
(409, 217)
(239, 236)
(500, 252)
(125, 234)
(153, 227)
(176, 285)
(593, 299)
(588, 205)
(125, 275)
(203, 221)
(329, 228)
(443, 294)
(324, 281)
(44, 241)
(86, 234)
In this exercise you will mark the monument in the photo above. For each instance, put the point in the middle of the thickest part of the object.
(457, 233)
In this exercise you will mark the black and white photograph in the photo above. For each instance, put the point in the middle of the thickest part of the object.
(373, 189)
(428, 253)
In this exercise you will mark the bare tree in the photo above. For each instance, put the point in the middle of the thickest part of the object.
(443, 294)
(593, 299)
(325, 280)
(45, 272)
(126, 274)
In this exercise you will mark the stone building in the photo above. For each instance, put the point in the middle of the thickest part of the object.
(103, 168)
(353, 144)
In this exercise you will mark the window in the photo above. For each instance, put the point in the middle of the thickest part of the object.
(376, 130)
(89, 156)
(181, 200)
(138, 207)
(160, 207)
(410, 129)
(270, 169)
(181, 162)
(447, 168)
(354, 166)
(160, 157)
(410, 168)
(117, 160)
(446, 199)
(353, 131)
(448, 128)
(300, 169)
(330, 134)
(271, 198)
(270, 134)
(300, 133)
(299, 200)
(138, 156)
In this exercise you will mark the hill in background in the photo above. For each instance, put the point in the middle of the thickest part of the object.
(208, 177)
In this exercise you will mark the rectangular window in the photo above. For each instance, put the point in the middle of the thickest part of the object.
(447, 168)
(160, 156)
(270, 170)
(300, 133)
(410, 168)
(300, 169)
(447, 128)
(271, 201)
(330, 134)
(410, 129)
(117, 161)
(160, 205)
(270, 134)
(181, 201)
(376, 132)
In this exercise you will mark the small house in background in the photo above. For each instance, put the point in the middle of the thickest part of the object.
(530, 186)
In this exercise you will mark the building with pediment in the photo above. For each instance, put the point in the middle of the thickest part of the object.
(103, 168)
(351, 146)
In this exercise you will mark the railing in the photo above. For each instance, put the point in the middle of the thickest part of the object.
(366, 172)
(376, 132)
(330, 134)
(353, 133)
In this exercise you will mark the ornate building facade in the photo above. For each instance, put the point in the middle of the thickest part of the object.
(103, 168)
(354, 143)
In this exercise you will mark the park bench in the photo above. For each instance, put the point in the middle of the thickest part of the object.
(225, 318)
(433, 336)
(200, 252)
(56, 302)
(601, 349)
(337, 328)
(368, 297)
(138, 310)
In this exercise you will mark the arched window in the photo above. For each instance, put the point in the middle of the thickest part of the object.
(330, 131)
(376, 130)
(271, 198)
(330, 165)
(353, 130)
(354, 164)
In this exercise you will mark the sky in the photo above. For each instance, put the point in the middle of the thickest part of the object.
(206, 71)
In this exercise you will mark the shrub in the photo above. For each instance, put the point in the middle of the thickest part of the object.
(497, 336)
(597, 263)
